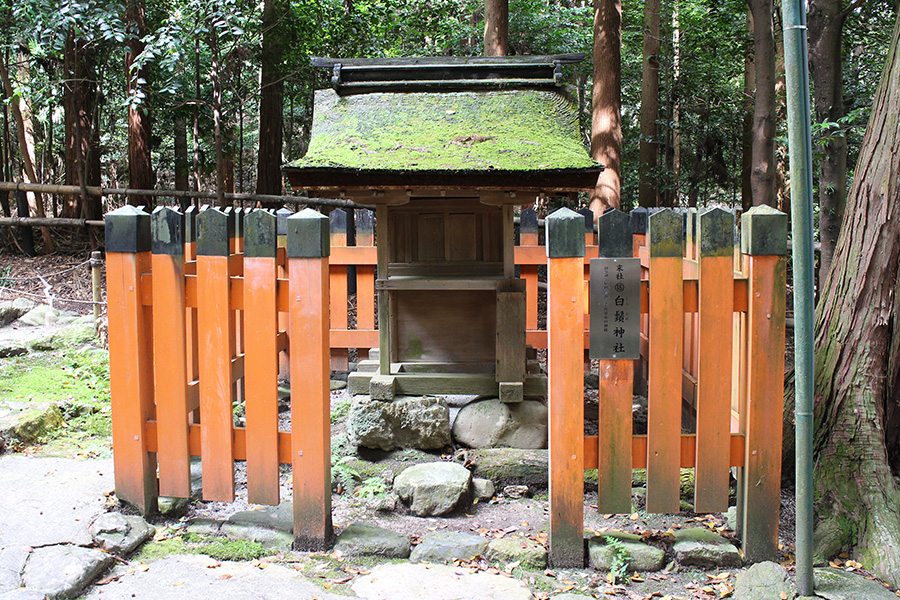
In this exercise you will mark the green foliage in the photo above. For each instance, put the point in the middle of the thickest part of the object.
(235, 550)
(618, 564)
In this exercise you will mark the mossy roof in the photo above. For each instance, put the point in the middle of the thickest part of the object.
(379, 136)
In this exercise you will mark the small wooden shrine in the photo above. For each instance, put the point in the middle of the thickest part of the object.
(445, 149)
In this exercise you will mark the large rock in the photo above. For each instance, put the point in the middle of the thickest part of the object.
(434, 488)
(703, 548)
(120, 534)
(280, 518)
(40, 315)
(271, 539)
(11, 310)
(638, 555)
(506, 466)
(835, 584)
(406, 581)
(448, 546)
(63, 571)
(12, 561)
(71, 336)
(528, 553)
(764, 581)
(406, 422)
(9, 348)
(489, 422)
(362, 539)
(26, 422)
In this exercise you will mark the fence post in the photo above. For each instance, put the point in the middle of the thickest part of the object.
(666, 308)
(565, 331)
(716, 316)
(307, 253)
(338, 287)
(763, 242)
(130, 357)
(261, 356)
(170, 352)
(616, 389)
(216, 342)
(528, 236)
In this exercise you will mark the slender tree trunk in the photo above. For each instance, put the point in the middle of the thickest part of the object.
(826, 23)
(606, 113)
(747, 130)
(140, 168)
(215, 74)
(271, 101)
(496, 27)
(22, 115)
(762, 175)
(676, 105)
(858, 355)
(196, 127)
(648, 190)
(182, 165)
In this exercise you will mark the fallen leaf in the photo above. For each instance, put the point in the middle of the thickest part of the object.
(225, 576)
(634, 517)
(177, 583)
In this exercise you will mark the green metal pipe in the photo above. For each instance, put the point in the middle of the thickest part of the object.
(800, 152)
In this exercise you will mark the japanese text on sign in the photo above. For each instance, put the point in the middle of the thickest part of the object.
(615, 305)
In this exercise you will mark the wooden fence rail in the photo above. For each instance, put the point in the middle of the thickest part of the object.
(206, 307)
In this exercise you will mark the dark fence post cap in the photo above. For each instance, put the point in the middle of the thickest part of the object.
(564, 234)
(167, 231)
(639, 220)
(308, 235)
(260, 234)
(283, 213)
(214, 228)
(614, 233)
(715, 228)
(127, 230)
(666, 231)
(764, 231)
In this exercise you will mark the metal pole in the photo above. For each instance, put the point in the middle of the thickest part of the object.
(800, 151)
(96, 280)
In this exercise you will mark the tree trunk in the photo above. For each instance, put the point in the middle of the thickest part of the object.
(857, 444)
(762, 174)
(140, 168)
(271, 101)
(826, 23)
(215, 76)
(606, 114)
(747, 133)
(79, 96)
(25, 131)
(648, 189)
(496, 27)
(182, 166)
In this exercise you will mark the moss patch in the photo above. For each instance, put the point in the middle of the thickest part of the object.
(460, 131)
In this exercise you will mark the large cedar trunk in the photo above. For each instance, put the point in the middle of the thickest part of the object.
(826, 22)
(271, 101)
(648, 188)
(79, 95)
(858, 355)
(496, 27)
(140, 169)
(606, 115)
(762, 173)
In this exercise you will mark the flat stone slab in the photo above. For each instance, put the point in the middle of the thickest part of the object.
(279, 517)
(512, 466)
(190, 577)
(26, 421)
(362, 539)
(835, 584)
(12, 561)
(63, 571)
(271, 539)
(517, 549)
(699, 547)
(50, 501)
(436, 582)
(23, 594)
(448, 546)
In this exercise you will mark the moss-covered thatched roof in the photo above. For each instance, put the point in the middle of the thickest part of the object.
(379, 136)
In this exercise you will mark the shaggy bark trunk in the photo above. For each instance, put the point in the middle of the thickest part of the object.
(496, 27)
(79, 96)
(762, 174)
(858, 355)
(606, 114)
(648, 189)
(139, 166)
(826, 23)
(271, 101)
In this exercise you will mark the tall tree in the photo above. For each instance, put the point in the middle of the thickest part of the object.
(496, 27)
(79, 99)
(762, 173)
(606, 113)
(140, 169)
(648, 190)
(271, 100)
(857, 444)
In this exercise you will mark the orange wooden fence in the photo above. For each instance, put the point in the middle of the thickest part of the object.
(201, 306)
